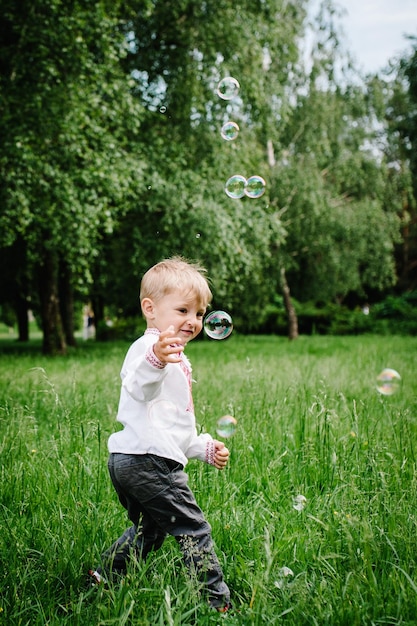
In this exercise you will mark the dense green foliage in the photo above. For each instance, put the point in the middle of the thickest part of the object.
(111, 157)
(396, 315)
(310, 423)
(68, 125)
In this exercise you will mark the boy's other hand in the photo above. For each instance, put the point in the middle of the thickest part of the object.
(221, 455)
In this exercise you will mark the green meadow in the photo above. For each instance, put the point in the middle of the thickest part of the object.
(310, 424)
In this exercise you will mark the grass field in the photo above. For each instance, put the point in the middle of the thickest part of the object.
(310, 423)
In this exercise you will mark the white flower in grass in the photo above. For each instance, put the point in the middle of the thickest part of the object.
(283, 574)
(299, 502)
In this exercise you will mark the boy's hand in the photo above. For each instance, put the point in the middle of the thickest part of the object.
(221, 455)
(168, 348)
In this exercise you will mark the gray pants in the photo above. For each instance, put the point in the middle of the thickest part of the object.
(155, 493)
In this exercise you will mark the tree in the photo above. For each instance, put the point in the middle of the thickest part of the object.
(112, 157)
(68, 157)
(330, 183)
(178, 53)
(395, 98)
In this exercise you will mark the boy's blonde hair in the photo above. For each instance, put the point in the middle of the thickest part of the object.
(175, 274)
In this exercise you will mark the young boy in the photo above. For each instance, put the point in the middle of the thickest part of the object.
(147, 457)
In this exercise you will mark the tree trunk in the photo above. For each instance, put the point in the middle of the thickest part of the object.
(98, 308)
(22, 310)
(289, 307)
(53, 336)
(66, 304)
(14, 284)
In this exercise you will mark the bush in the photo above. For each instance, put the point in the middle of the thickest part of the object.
(272, 321)
(396, 315)
(348, 322)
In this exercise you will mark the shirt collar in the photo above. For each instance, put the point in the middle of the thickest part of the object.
(152, 331)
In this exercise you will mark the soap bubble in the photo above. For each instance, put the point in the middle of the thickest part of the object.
(235, 186)
(388, 382)
(255, 187)
(299, 502)
(218, 325)
(228, 88)
(226, 426)
(229, 131)
(283, 574)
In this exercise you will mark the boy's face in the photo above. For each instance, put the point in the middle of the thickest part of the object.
(176, 309)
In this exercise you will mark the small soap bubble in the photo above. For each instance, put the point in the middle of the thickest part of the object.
(218, 325)
(226, 426)
(228, 88)
(235, 186)
(162, 109)
(255, 187)
(299, 502)
(388, 382)
(229, 131)
(283, 574)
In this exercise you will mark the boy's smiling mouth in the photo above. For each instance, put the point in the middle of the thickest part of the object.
(186, 333)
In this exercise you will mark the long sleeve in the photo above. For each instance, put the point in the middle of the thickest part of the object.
(142, 377)
(156, 408)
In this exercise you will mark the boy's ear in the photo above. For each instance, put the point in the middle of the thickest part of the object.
(147, 308)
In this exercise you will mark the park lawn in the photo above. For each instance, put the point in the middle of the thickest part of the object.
(310, 423)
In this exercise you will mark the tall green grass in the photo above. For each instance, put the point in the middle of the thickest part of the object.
(310, 423)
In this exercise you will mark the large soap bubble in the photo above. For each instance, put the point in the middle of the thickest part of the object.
(218, 325)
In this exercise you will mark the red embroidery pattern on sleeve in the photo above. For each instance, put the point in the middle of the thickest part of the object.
(210, 452)
(153, 360)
